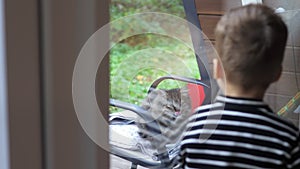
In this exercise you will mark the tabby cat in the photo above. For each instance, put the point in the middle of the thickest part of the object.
(170, 108)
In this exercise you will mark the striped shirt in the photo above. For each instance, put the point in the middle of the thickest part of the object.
(239, 133)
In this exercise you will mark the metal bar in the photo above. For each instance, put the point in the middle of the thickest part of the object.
(199, 45)
(145, 115)
(133, 166)
(128, 155)
(179, 78)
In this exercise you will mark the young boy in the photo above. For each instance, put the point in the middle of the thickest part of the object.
(240, 130)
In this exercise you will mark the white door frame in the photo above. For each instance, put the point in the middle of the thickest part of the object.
(4, 144)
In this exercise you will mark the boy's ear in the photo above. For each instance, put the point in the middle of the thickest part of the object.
(217, 69)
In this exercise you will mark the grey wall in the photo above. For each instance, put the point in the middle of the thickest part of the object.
(43, 39)
(66, 26)
(23, 83)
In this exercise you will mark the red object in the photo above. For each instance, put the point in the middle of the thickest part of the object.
(197, 94)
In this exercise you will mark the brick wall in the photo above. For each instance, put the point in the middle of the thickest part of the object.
(279, 93)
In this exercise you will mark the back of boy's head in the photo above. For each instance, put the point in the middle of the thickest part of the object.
(250, 41)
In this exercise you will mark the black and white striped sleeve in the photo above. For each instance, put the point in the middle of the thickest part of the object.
(294, 162)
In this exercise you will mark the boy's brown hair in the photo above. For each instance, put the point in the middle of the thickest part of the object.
(251, 41)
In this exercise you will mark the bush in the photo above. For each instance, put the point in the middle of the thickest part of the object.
(158, 55)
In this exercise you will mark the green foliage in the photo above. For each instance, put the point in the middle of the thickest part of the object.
(121, 8)
(139, 60)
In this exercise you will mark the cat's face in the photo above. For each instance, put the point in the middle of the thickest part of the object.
(174, 99)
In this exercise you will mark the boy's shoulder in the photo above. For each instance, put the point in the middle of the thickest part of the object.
(247, 110)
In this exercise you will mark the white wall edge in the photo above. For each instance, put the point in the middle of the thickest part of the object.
(4, 144)
(246, 2)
